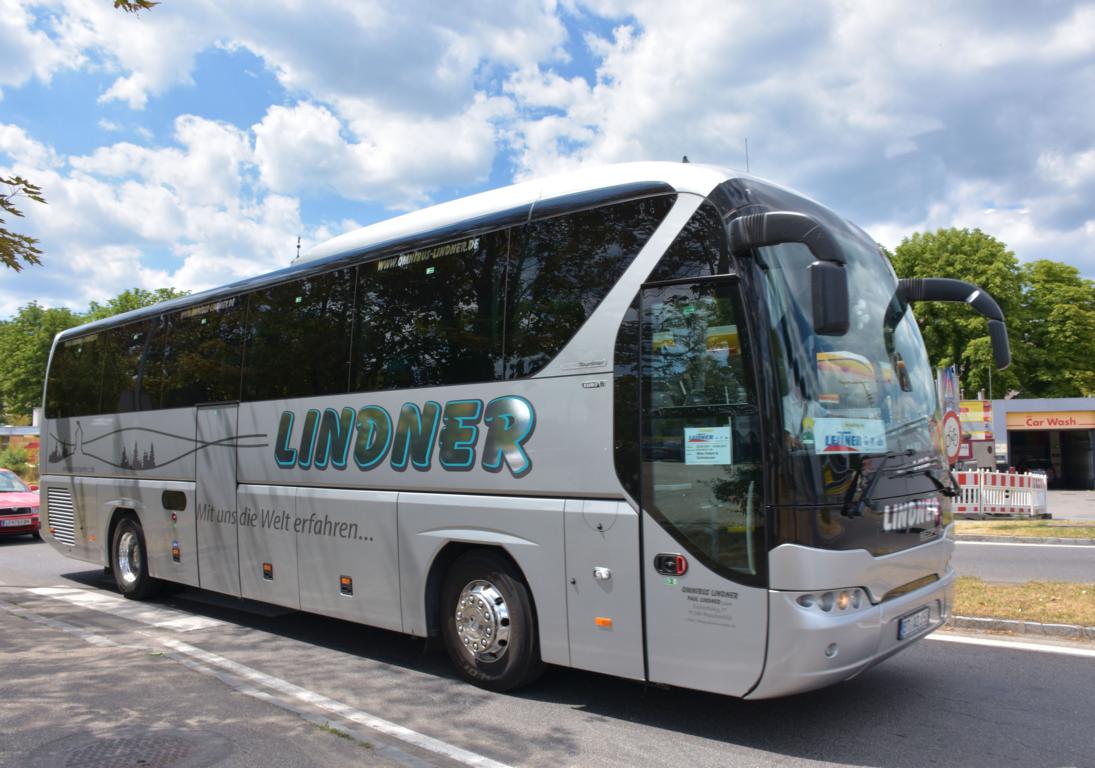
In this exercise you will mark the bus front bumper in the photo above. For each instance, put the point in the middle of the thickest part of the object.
(810, 648)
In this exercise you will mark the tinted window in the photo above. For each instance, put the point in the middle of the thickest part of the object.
(298, 338)
(201, 354)
(699, 250)
(433, 316)
(75, 377)
(566, 267)
(124, 363)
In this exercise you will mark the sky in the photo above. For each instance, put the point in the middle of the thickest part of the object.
(192, 144)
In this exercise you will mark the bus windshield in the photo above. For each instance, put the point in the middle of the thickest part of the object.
(867, 392)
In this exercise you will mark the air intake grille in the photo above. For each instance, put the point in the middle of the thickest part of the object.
(61, 520)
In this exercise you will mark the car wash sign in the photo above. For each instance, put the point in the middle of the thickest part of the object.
(1022, 420)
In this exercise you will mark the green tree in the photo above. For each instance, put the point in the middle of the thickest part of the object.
(14, 247)
(133, 298)
(953, 333)
(25, 342)
(134, 6)
(1049, 307)
(17, 460)
(1057, 330)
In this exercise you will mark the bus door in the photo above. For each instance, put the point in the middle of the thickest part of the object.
(703, 548)
(218, 543)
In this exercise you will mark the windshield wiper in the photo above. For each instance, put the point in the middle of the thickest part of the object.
(926, 470)
(856, 510)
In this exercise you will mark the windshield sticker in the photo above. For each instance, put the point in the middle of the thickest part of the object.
(843, 435)
(707, 445)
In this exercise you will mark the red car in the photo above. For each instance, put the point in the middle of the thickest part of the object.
(18, 506)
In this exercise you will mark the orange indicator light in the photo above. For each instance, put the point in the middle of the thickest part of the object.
(268, 571)
(603, 621)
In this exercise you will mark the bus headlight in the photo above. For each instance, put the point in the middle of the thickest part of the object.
(833, 600)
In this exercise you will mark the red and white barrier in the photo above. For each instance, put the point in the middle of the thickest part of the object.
(1001, 494)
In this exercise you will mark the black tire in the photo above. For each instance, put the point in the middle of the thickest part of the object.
(513, 658)
(37, 535)
(129, 561)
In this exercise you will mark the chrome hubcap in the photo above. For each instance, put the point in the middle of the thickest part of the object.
(129, 557)
(482, 621)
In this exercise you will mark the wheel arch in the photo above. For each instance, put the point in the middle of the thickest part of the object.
(443, 560)
(116, 514)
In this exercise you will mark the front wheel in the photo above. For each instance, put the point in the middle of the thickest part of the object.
(489, 623)
(129, 558)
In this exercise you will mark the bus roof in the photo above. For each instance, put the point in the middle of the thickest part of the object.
(682, 177)
(498, 207)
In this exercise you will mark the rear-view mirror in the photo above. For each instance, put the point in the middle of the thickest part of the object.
(828, 280)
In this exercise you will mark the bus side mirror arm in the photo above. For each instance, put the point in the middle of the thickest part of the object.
(828, 280)
(947, 289)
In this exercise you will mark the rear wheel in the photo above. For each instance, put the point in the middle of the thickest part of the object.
(129, 559)
(489, 624)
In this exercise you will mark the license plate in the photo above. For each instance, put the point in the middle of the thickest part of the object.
(14, 522)
(913, 623)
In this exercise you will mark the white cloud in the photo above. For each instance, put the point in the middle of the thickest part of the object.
(30, 52)
(394, 157)
(901, 117)
(185, 215)
(898, 116)
(25, 152)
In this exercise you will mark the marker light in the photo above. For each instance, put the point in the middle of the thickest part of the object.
(603, 621)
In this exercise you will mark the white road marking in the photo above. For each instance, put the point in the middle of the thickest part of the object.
(156, 616)
(1016, 645)
(330, 705)
(1023, 544)
(64, 626)
(209, 663)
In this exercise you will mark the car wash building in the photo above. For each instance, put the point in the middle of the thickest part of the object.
(1054, 436)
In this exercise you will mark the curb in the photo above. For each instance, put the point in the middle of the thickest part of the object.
(1034, 628)
(1024, 539)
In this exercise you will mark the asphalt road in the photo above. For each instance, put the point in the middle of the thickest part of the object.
(1002, 562)
(1071, 505)
(196, 667)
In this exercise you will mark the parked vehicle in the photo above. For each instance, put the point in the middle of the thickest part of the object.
(18, 506)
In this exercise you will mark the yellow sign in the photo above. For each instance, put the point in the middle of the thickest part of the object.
(976, 418)
(1019, 420)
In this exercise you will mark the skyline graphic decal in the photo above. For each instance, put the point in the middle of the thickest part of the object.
(143, 456)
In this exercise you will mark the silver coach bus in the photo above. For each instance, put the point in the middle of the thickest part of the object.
(654, 420)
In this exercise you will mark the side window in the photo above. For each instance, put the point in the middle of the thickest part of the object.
(701, 442)
(700, 250)
(75, 378)
(124, 362)
(202, 354)
(565, 268)
(431, 317)
(298, 338)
